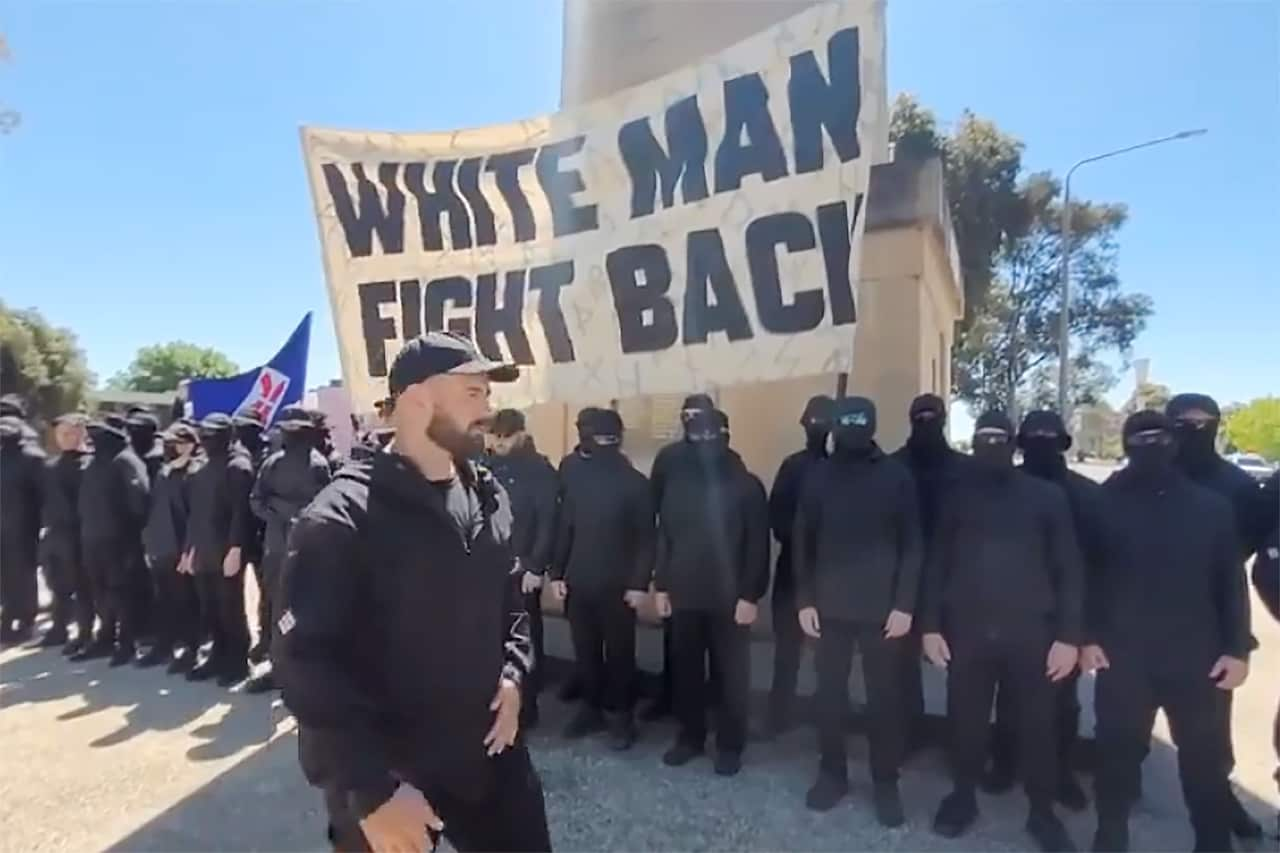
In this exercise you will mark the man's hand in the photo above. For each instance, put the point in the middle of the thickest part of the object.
(662, 603)
(1093, 659)
(745, 612)
(184, 563)
(1229, 672)
(635, 598)
(231, 563)
(530, 582)
(506, 722)
(936, 650)
(559, 590)
(1061, 661)
(400, 824)
(809, 622)
(897, 625)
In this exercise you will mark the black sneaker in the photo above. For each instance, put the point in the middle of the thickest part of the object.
(1070, 794)
(182, 663)
(1112, 836)
(206, 671)
(956, 814)
(571, 690)
(263, 682)
(1243, 826)
(73, 647)
(681, 754)
(156, 656)
(728, 763)
(258, 653)
(95, 650)
(233, 675)
(826, 792)
(658, 709)
(1049, 833)
(53, 637)
(997, 780)
(121, 656)
(622, 733)
(889, 805)
(587, 721)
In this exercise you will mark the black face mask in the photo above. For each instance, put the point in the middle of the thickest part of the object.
(994, 457)
(106, 444)
(853, 440)
(1151, 460)
(216, 443)
(297, 440)
(815, 436)
(250, 437)
(928, 439)
(1042, 456)
(142, 439)
(1196, 448)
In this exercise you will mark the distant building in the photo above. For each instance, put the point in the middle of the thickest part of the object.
(105, 400)
(335, 402)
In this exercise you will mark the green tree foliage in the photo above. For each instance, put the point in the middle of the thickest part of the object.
(1149, 395)
(162, 366)
(1255, 428)
(41, 363)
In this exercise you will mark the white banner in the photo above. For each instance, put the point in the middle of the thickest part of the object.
(696, 231)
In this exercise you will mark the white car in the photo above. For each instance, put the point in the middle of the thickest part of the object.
(1253, 465)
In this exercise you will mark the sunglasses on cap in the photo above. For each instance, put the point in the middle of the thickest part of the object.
(1147, 438)
(849, 419)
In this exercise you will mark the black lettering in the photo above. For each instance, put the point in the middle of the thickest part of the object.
(442, 200)
(359, 226)
(507, 320)
(709, 275)
(453, 289)
(548, 281)
(411, 308)
(793, 231)
(817, 103)
(746, 108)
(506, 171)
(481, 212)
(560, 188)
(835, 233)
(650, 167)
(640, 277)
(377, 328)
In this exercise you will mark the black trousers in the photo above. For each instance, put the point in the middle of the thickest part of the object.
(711, 638)
(1066, 713)
(788, 642)
(18, 586)
(978, 664)
(267, 573)
(911, 685)
(603, 629)
(533, 682)
(222, 610)
(112, 568)
(61, 570)
(512, 818)
(177, 610)
(1127, 698)
(881, 673)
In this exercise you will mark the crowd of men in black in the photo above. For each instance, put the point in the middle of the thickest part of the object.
(1015, 580)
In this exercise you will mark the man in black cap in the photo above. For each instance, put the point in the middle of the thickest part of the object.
(788, 639)
(164, 539)
(935, 466)
(1195, 420)
(1044, 441)
(21, 496)
(249, 440)
(60, 547)
(143, 428)
(858, 556)
(13, 406)
(712, 567)
(402, 639)
(532, 487)
(1002, 604)
(1168, 627)
(217, 531)
(324, 440)
(114, 499)
(289, 480)
(605, 558)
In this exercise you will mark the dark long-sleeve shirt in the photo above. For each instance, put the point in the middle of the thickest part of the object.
(606, 535)
(114, 495)
(784, 499)
(165, 535)
(22, 486)
(532, 485)
(858, 548)
(288, 480)
(220, 515)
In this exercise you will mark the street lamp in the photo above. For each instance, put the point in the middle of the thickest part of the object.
(1064, 334)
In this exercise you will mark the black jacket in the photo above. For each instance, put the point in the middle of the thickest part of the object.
(288, 481)
(605, 541)
(220, 517)
(1173, 589)
(1240, 491)
(166, 532)
(395, 628)
(713, 534)
(22, 484)
(673, 457)
(858, 549)
(934, 473)
(1004, 558)
(532, 486)
(114, 493)
(784, 499)
(63, 475)
(1085, 497)
(1266, 566)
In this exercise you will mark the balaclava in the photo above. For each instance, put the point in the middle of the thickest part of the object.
(816, 421)
(586, 424)
(1149, 443)
(692, 405)
(853, 426)
(215, 436)
(1043, 439)
(993, 443)
(705, 433)
(248, 433)
(928, 441)
(109, 436)
(142, 426)
(1196, 442)
(607, 434)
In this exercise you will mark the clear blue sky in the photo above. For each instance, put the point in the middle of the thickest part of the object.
(157, 174)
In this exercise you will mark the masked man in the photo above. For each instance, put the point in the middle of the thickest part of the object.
(22, 483)
(177, 612)
(60, 552)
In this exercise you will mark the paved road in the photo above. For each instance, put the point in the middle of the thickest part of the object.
(130, 759)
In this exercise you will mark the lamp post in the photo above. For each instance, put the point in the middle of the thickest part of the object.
(1064, 333)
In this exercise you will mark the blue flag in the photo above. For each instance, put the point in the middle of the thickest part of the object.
(262, 391)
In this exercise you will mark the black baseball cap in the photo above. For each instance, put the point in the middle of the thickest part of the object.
(110, 423)
(248, 418)
(508, 422)
(295, 417)
(437, 353)
(215, 423)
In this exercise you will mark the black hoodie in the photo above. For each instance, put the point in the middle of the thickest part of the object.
(288, 481)
(396, 626)
(713, 532)
(784, 499)
(22, 483)
(63, 477)
(166, 530)
(113, 493)
(1266, 566)
(220, 515)
(605, 542)
(531, 484)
